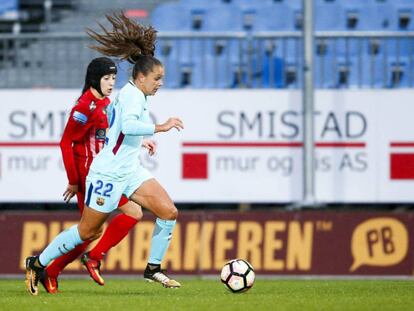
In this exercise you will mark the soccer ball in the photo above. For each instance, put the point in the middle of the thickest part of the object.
(237, 275)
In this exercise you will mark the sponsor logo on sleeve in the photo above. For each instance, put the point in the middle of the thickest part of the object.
(79, 117)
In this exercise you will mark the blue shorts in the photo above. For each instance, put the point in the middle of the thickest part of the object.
(103, 193)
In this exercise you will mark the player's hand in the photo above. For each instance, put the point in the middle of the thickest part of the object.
(150, 145)
(171, 123)
(70, 192)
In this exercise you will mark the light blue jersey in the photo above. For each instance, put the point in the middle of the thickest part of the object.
(117, 170)
(129, 121)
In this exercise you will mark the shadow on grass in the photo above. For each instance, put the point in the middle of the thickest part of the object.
(68, 292)
(108, 292)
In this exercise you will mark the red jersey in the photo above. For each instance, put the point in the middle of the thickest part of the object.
(84, 136)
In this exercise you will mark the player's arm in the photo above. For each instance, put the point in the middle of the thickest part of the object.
(150, 145)
(172, 122)
(132, 125)
(76, 128)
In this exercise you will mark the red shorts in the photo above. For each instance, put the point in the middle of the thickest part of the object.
(124, 200)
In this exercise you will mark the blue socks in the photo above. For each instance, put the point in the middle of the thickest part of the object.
(161, 238)
(70, 238)
(62, 244)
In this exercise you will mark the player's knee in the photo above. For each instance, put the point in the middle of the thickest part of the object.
(136, 214)
(132, 210)
(171, 212)
(89, 233)
(98, 233)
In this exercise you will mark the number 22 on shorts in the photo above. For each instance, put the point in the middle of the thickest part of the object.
(103, 189)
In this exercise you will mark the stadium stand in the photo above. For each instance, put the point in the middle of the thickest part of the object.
(35, 15)
(62, 41)
(279, 17)
(230, 43)
(336, 61)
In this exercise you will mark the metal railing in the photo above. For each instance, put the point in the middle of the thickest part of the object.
(341, 59)
(222, 60)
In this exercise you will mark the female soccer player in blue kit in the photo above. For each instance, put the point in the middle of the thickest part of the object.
(116, 170)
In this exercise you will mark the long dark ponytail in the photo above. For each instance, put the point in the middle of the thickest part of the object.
(128, 40)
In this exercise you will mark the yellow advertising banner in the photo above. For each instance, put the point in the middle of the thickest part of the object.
(278, 243)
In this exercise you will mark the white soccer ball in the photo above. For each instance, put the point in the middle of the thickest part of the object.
(237, 275)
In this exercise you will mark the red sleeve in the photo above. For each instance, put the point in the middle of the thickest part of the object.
(75, 130)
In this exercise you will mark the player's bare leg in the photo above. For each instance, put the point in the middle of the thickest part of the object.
(151, 195)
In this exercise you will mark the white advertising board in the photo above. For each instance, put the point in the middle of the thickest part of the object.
(237, 145)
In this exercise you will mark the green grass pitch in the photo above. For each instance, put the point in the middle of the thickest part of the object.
(207, 294)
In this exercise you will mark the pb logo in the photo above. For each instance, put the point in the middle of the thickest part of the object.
(379, 242)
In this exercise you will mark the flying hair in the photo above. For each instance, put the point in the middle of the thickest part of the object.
(128, 40)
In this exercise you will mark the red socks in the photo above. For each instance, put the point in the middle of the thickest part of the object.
(61, 262)
(117, 229)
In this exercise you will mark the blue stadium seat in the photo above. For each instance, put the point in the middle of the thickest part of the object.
(200, 4)
(197, 10)
(210, 72)
(399, 73)
(278, 69)
(324, 2)
(324, 71)
(376, 65)
(294, 4)
(353, 72)
(370, 16)
(355, 4)
(169, 52)
(217, 63)
(335, 71)
(226, 18)
(252, 4)
(273, 18)
(329, 16)
(172, 71)
(349, 4)
(124, 73)
(332, 61)
(400, 47)
(182, 57)
(214, 66)
(402, 2)
(171, 17)
(289, 51)
(279, 61)
(354, 47)
(292, 74)
(373, 73)
(402, 18)
(347, 73)
(369, 71)
(339, 73)
(268, 72)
